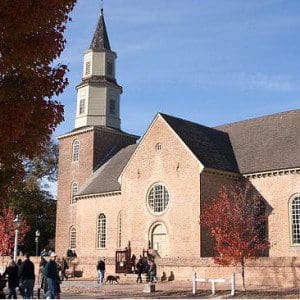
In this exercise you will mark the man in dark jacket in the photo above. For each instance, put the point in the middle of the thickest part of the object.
(101, 270)
(140, 269)
(13, 280)
(26, 275)
(51, 275)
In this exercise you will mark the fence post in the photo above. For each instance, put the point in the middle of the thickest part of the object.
(213, 287)
(233, 284)
(194, 283)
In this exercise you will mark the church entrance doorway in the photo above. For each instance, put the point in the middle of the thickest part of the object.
(159, 239)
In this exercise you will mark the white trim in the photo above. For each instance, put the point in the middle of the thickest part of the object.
(73, 197)
(98, 240)
(73, 152)
(120, 229)
(72, 228)
(106, 194)
(151, 211)
(222, 173)
(290, 216)
(279, 172)
(79, 131)
(99, 128)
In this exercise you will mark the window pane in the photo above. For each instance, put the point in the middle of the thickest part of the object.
(120, 224)
(101, 230)
(296, 220)
(87, 68)
(74, 192)
(158, 198)
(73, 237)
(82, 106)
(76, 151)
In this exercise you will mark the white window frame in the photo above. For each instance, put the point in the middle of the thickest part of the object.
(120, 229)
(72, 237)
(75, 150)
(158, 198)
(81, 106)
(101, 231)
(88, 68)
(294, 209)
(74, 190)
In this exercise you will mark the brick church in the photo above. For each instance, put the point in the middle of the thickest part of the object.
(114, 192)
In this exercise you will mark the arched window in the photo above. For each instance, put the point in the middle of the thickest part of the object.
(74, 191)
(101, 231)
(73, 237)
(158, 198)
(159, 238)
(75, 150)
(295, 220)
(120, 228)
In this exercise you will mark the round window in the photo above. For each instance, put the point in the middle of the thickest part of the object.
(158, 198)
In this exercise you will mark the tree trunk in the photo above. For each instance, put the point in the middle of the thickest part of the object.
(243, 273)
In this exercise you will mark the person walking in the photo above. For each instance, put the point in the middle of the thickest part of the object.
(51, 275)
(140, 269)
(101, 270)
(152, 271)
(41, 278)
(13, 279)
(64, 267)
(26, 275)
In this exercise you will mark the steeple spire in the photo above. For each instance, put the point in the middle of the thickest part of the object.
(98, 94)
(100, 39)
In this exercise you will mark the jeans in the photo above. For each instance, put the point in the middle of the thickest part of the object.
(52, 288)
(28, 285)
(152, 277)
(12, 293)
(139, 278)
(101, 276)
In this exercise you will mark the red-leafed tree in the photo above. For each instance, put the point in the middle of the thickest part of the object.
(7, 231)
(237, 219)
(31, 39)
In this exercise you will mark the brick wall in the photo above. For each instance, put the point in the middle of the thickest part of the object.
(211, 183)
(69, 172)
(261, 273)
(278, 192)
(175, 167)
(95, 144)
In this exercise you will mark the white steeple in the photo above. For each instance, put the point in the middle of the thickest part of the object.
(98, 94)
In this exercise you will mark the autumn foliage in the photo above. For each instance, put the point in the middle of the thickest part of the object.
(31, 39)
(7, 232)
(236, 219)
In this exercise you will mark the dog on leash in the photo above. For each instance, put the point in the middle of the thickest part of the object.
(112, 279)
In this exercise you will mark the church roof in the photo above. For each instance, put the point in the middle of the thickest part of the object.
(266, 143)
(100, 39)
(262, 144)
(256, 145)
(211, 146)
(105, 179)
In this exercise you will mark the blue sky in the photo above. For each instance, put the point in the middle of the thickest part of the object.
(208, 61)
